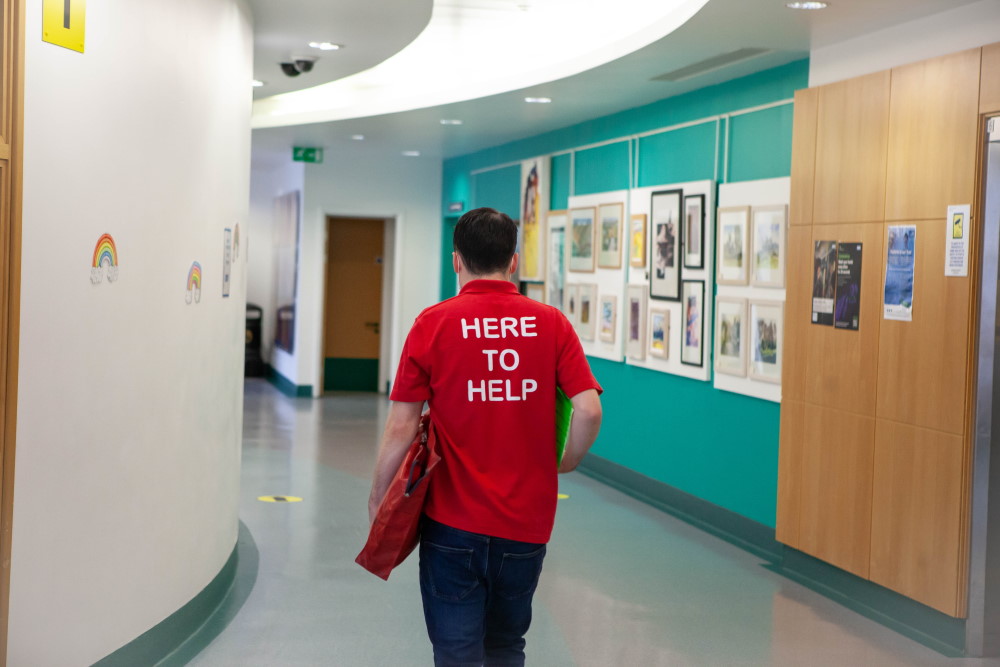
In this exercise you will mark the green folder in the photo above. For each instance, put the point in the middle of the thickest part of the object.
(564, 414)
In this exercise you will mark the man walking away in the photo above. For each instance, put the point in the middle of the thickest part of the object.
(488, 362)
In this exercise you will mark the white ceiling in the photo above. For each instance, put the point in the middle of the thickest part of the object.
(721, 27)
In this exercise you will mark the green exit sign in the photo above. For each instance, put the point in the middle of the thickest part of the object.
(303, 154)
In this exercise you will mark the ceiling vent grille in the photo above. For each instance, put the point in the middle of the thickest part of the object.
(711, 64)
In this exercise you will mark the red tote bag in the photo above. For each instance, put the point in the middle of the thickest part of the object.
(393, 534)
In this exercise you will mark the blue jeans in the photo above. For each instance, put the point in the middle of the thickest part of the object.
(477, 594)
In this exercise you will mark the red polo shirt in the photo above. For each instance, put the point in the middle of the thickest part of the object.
(488, 362)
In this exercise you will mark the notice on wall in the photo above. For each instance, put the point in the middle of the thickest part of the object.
(848, 306)
(956, 241)
(824, 281)
(897, 302)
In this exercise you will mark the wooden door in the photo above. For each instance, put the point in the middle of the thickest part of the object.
(11, 97)
(352, 327)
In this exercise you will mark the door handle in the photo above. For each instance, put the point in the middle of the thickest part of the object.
(373, 326)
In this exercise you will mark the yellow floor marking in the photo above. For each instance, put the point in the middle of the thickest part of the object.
(279, 499)
(562, 496)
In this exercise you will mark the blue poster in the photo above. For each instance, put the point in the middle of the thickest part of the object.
(897, 303)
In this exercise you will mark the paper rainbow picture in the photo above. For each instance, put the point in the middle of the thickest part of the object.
(105, 260)
(194, 284)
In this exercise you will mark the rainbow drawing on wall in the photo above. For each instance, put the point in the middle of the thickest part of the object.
(193, 284)
(236, 241)
(105, 260)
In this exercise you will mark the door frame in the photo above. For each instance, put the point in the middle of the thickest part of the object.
(387, 331)
(10, 294)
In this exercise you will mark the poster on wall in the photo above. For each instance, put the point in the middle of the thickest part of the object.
(227, 261)
(848, 308)
(693, 336)
(665, 261)
(956, 244)
(581, 241)
(897, 302)
(824, 281)
(534, 206)
(557, 259)
(105, 260)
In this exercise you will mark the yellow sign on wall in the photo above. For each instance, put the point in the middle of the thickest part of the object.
(64, 23)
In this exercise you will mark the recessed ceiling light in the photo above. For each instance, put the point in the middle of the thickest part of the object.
(326, 46)
(257, 84)
(450, 121)
(358, 137)
(806, 5)
(411, 153)
(537, 100)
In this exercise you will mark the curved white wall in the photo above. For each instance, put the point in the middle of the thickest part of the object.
(130, 400)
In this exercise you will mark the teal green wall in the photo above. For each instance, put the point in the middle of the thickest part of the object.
(718, 446)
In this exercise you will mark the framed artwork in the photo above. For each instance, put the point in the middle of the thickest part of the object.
(587, 311)
(659, 333)
(535, 291)
(286, 263)
(766, 320)
(556, 281)
(635, 330)
(571, 303)
(731, 241)
(693, 336)
(608, 312)
(730, 336)
(694, 232)
(664, 262)
(767, 266)
(610, 216)
(534, 203)
(581, 239)
(637, 241)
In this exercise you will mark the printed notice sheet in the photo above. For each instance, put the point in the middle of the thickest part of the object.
(897, 303)
(956, 241)
(824, 281)
(848, 308)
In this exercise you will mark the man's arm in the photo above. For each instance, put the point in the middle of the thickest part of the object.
(582, 429)
(400, 429)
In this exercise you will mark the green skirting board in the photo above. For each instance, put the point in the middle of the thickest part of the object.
(350, 374)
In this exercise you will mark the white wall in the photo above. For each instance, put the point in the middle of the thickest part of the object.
(407, 190)
(965, 27)
(267, 182)
(130, 400)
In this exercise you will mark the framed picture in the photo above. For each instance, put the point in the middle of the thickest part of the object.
(587, 311)
(767, 266)
(659, 333)
(534, 202)
(637, 241)
(694, 232)
(535, 291)
(664, 262)
(556, 266)
(635, 330)
(730, 336)
(581, 239)
(731, 241)
(693, 336)
(571, 303)
(610, 217)
(609, 316)
(766, 320)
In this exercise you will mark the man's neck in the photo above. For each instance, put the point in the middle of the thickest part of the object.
(466, 278)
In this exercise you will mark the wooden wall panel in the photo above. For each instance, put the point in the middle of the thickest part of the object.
(836, 487)
(798, 309)
(916, 514)
(933, 129)
(851, 141)
(800, 208)
(790, 472)
(923, 364)
(841, 365)
(989, 80)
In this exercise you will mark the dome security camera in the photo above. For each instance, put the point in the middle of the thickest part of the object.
(304, 65)
(289, 69)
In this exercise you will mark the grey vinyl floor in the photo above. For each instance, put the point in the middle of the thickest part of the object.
(624, 584)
